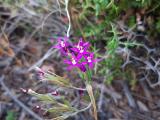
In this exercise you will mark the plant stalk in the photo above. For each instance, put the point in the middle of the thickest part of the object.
(90, 92)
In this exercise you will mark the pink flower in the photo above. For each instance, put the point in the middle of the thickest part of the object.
(74, 63)
(81, 48)
(62, 44)
(79, 55)
(90, 60)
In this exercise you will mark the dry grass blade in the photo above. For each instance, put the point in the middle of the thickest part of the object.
(90, 92)
(43, 97)
(57, 80)
(59, 110)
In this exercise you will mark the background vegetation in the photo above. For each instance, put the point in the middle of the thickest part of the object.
(124, 33)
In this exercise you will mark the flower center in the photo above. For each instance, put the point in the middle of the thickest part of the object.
(62, 44)
(89, 59)
(78, 46)
(81, 49)
(73, 61)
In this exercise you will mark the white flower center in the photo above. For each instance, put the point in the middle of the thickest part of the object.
(78, 46)
(89, 59)
(81, 49)
(62, 44)
(73, 61)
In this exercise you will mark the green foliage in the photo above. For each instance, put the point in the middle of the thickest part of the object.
(158, 25)
(9, 3)
(131, 77)
(97, 18)
(97, 6)
(44, 97)
(131, 21)
(111, 65)
(96, 15)
(113, 42)
(57, 80)
(59, 108)
(10, 115)
(101, 5)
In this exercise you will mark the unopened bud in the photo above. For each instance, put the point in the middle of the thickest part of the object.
(30, 91)
(23, 90)
(55, 93)
(38, 107)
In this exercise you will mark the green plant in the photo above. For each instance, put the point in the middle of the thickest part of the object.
(10, 116)
(77, 57)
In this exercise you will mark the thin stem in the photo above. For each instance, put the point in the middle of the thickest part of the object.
(69, 18)
(48, 17)
(84, 109)
(59, 6)
(73, 114)
(83, 89)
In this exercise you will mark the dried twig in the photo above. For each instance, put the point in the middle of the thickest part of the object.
(47, 54)
(100, 102)
(110, 92)
(145, 88)
(47, 17)
(129, 96)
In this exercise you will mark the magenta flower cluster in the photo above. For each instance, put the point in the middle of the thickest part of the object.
(77, 54)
